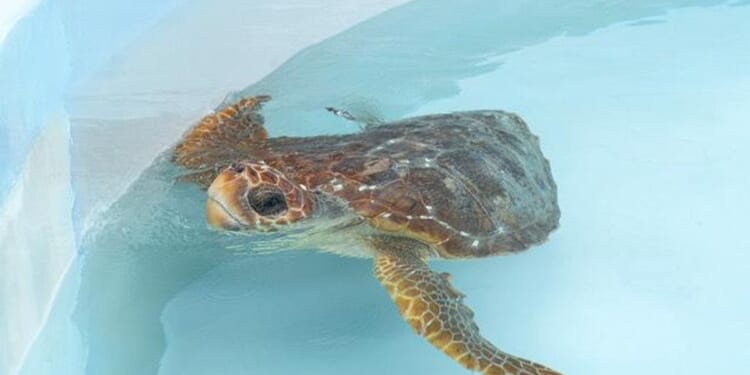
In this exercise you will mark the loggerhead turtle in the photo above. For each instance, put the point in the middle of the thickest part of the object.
(450, 186)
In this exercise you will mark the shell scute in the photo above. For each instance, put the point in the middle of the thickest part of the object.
(471, 184)
(368, 208)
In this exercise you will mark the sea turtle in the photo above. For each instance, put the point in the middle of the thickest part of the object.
(450, 186)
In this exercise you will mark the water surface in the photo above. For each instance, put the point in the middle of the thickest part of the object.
(642, 110)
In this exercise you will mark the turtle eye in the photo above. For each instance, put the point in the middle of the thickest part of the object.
(237, 167)
(267, 200)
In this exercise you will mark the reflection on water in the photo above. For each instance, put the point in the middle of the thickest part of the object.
(160, 291)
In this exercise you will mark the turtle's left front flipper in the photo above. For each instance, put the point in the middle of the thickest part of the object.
(435, 310)
(230, 134)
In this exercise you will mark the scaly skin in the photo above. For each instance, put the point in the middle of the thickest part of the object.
(228, 206)
(435, 310)
(205, 145)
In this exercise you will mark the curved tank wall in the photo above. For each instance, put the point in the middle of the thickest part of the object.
(640, 106)
(50, 180)
(44, 55)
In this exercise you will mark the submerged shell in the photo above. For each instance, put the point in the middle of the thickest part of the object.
(471, 184)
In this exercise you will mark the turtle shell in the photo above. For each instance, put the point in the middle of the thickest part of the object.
(471, 184)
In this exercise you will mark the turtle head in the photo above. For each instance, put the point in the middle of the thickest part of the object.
(249, 196)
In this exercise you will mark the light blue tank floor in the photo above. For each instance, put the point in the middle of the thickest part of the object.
(642, 108)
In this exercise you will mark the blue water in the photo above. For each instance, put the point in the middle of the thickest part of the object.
(642, 109)
(39, 70)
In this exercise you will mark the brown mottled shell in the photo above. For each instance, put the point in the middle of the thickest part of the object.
(471, 184)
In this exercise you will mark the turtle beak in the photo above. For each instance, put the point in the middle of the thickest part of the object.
(219, 218)
(226, 207)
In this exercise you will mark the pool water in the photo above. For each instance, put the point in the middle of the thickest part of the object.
(642, 109)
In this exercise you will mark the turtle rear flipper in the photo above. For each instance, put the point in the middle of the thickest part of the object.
(229, 134)
(435, 310)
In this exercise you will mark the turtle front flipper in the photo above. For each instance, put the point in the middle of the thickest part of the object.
(435, 310)
(363, 119)
(230, 134)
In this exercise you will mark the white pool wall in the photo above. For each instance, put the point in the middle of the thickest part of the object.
(11, 12)
(49, 56)
(35, 203)
(36, 237)
(45, 50)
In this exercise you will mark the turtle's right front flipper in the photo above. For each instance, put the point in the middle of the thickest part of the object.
(435, 310)
(230, 134)
(363, 119)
